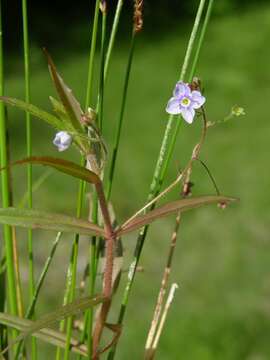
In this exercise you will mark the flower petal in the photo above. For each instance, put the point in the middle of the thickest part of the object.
(188, 114)
(197, 99)
(173, 106)
(181, 89)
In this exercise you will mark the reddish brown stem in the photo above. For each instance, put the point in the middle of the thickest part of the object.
(107, 282)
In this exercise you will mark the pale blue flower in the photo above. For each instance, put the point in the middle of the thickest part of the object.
(62, 140)
(185, 102)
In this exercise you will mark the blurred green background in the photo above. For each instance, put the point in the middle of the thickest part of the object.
(221, 310)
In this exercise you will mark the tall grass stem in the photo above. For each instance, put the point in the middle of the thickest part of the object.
(121, 117)
(112, 37)
(11, 279)
(28, 153)
(92, 57)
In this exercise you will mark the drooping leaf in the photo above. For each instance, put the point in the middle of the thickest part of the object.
(172, 207)
(35, 111)
(71, 105)
(65, 166)
(50, 336)
(71, 309)
(31, 218)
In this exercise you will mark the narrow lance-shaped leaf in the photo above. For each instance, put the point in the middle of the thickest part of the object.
(33, 219)
(65, 166)
(50, 336)
(35, 111)
(63, 312)
(69, 102)
(172, 207)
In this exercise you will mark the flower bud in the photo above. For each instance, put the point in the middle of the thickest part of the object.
(62, 140)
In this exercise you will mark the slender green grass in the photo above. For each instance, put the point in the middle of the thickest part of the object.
(102, 62)
(28, 153)
(121, 117)
(201, 39)
(165, 154)
(92, 57)
(11, 279)
(93, 256)
(72, 271)
(71, 276)
(112, 37)
(5, 190)
(31, 307)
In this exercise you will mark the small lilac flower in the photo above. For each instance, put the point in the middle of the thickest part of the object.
(185, 102)
(62, 140)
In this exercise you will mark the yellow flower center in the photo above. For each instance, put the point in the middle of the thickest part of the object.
(185, 101)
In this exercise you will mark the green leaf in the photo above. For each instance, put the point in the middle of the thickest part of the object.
(71, 105)
(65, 166)
(50, 336)
(35, 111)
(170, 208)
(31, 218)
(71, 309)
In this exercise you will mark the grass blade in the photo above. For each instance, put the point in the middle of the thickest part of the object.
(7, 235)
(28, 153)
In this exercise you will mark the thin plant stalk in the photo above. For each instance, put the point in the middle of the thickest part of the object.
(201, 39)
(72, 270)
(11, 279)
(92, 56)
(42, 276)
(88, 321)
(121, 117)
(162, 163)
(102, 61)
(39, 284)
(71, 274)
(151, 353)
(163, 288)
(28, 153)
(112, 37)
(17, 273)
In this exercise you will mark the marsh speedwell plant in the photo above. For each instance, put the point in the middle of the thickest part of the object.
(83, 320)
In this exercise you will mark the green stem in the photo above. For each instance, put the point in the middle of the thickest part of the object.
(101, 79)
(92, 57)
(160, 172)
(112, 37)
(43, 274)
(121, 116)
(71, 277)
(39, 284)
(210, 175)
(28, 153)
(11, 282)
(201, 39)
(88, 321)
(74, 260)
